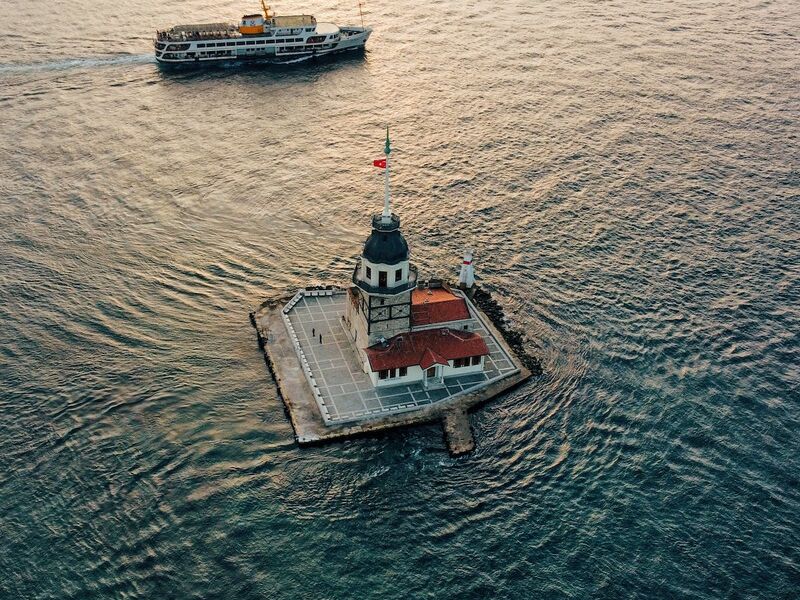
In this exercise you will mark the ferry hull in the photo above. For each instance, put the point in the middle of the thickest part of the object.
(354, 42)
(261, 60)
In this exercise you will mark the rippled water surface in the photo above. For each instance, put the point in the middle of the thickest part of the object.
(629, 173)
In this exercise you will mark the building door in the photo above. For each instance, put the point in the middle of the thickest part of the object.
(433, 376)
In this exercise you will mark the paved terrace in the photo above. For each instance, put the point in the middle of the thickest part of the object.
(345, 392)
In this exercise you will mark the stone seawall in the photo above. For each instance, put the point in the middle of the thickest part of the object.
(516, 340)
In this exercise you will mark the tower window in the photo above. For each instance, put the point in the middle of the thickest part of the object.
(398, 274)
(382, 278)
(369, 273)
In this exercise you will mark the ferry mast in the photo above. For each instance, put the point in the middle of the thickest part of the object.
(361, 11)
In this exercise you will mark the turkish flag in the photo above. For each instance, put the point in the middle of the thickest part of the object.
(380, 163)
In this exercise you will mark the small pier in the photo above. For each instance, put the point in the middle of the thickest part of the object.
(457, 432)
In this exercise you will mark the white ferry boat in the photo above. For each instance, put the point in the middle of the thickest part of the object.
(265, 38)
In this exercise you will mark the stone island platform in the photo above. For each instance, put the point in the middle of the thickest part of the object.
(329, 397)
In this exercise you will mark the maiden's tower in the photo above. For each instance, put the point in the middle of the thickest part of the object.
(389, 349)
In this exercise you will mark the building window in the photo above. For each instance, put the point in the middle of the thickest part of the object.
(369, 273)
(383, 374)
(431, 372)
(476, 360)
(393, 373)
(398, 274)
(382, 278)
(458, 363)
(403, 371)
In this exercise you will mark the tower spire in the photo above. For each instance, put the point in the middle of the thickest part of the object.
(387, 201)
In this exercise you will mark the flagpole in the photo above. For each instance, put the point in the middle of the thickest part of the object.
(387, 203)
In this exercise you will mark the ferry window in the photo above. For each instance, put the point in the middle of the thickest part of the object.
(369, 273)
(476, 360)
(220, 44)
(240, 43)
(383, 374)
(231, 43)
(403, 371)
(201, 45)
(398, 274)
(382, 278)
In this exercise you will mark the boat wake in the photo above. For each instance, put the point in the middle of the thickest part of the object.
(296, 60)
(75, 63)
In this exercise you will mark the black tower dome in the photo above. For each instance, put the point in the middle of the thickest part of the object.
(386, 245)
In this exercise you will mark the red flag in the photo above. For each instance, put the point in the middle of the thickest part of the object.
(380, 163)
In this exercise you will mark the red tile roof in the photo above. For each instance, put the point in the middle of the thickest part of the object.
(425, 348)
(430, 358)
(436, 305)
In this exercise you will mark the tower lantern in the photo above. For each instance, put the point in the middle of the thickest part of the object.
(466, 279)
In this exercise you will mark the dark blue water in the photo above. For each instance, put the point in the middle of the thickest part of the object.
(630, 176)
